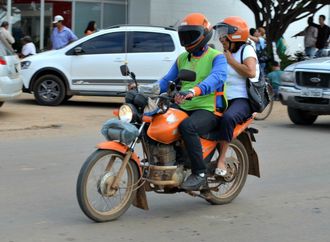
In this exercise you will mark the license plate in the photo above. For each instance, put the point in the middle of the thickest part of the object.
(311, 92)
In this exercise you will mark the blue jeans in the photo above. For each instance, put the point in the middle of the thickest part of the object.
(238, 112)
(310, 51)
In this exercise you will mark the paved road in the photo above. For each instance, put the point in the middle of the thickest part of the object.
(38, 171)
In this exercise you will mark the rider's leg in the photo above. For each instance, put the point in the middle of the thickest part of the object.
(221, 160)
(199, 122)
(237, 112)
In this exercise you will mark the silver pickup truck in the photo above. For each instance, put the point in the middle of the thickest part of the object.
(305, 89)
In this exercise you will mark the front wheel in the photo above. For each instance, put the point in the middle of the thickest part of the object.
(1, 103)
(224, 190)
(95, 196)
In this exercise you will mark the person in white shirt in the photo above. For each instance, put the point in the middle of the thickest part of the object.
(28, 47)
(5, 33)
(233, 33)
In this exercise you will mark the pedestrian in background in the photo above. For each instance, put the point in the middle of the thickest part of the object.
(61, 35)
(322, 36)
(310, 34)
(28, 47)
(91, 28)
(261, 50)
(274, 77)
(5, 33)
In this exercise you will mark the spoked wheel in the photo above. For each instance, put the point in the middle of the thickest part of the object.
(266, 112)
(97, 199)
(224, 190)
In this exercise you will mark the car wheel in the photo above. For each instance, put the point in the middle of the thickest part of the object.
(301, 117)
(49, 90)
(1, 103)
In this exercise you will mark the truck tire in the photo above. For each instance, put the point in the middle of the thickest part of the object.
(301, 117)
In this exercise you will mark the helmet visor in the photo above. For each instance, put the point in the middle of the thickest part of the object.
(190, 34)
(222, 30)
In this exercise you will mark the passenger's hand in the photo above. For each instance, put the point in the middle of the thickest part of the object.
(228, 56)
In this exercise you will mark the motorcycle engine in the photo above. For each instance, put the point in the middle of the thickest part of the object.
(162, 154)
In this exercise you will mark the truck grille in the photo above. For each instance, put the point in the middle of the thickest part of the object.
(313, 79)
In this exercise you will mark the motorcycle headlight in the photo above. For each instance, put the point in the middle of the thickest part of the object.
(127, 113)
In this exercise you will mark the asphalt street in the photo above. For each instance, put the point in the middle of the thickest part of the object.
(290, 202)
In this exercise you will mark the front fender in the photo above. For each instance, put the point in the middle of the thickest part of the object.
(140, 200)
(120, 148)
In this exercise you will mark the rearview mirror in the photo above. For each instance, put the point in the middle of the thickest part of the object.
(124, 70)
(187, 75)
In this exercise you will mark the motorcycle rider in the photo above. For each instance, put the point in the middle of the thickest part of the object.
(205, 92)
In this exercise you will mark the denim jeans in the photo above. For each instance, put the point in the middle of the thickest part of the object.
(310, 51)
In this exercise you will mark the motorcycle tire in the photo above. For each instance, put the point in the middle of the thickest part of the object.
(217, 197)
(96, 205)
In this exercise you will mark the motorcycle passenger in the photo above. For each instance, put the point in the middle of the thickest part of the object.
(211, 72)
(233, 34)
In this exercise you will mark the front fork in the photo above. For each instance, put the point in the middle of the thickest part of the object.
(128, 154)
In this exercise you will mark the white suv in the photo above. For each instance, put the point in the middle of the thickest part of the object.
(10, 80)
(91, 65)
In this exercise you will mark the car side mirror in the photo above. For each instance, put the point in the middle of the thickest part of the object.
(187, 75)
(124, 70)
(78, 50)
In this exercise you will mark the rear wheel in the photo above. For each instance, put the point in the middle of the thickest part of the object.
(49, 90)
(224, 190)
(1, 103)
(301, 117)
(95, 196)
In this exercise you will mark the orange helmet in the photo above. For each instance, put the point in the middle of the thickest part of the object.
(194, 32)
(234, 28)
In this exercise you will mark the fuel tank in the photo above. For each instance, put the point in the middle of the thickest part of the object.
(164, 127)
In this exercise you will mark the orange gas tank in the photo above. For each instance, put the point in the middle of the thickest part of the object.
(164, 127)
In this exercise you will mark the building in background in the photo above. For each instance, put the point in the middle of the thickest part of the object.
(35, 17)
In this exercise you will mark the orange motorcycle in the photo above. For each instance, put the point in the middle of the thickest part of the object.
(115, 176)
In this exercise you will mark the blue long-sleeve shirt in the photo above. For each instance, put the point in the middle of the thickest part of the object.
(213, 82)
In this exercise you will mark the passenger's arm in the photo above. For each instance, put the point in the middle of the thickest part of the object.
(247, 69)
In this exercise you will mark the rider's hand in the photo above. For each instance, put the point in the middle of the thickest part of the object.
(181, 96)
(131, 86)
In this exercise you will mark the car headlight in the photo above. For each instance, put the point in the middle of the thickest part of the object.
(25, 64)
(288, 78)
(127, 113)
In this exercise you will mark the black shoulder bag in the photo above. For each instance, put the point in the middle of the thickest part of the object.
(258, 92)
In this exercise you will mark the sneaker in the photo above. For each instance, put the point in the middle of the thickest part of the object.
(194, 182)
(220, 172)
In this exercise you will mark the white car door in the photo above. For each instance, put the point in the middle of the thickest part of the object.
(95, 65)
(150, 55)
